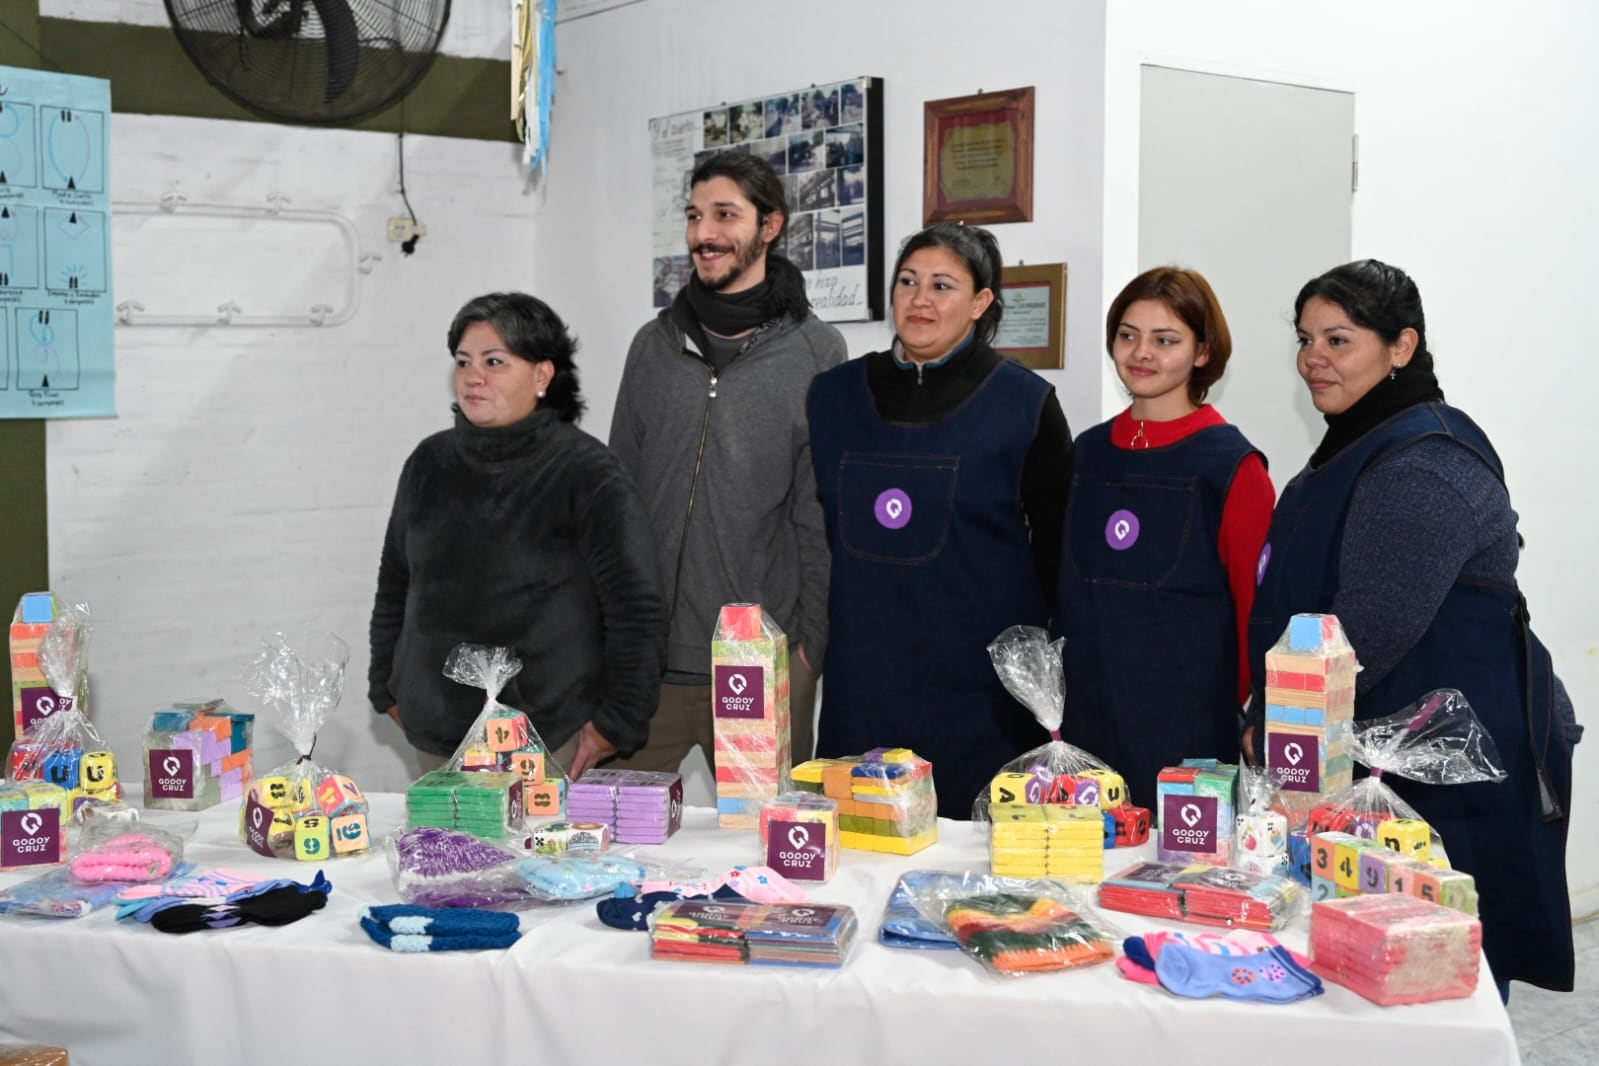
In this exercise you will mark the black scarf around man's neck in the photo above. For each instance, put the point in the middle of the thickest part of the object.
(782, 294)
(1414, 384)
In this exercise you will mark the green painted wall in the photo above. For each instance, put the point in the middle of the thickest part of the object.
(150, 74)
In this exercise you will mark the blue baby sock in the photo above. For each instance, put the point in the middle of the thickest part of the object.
(414, 929)
(1272, 976)
(443, 921)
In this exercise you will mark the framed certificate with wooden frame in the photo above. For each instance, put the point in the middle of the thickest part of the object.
(977, 158)
(1033, 329)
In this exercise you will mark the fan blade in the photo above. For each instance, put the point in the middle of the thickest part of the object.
(279, 27)
(343, 44)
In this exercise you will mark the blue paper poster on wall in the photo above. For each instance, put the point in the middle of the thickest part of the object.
(56, 312)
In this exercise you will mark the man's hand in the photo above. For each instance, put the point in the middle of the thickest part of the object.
(1249, 747)
(799, 650)
(394, 713)
(591, 748)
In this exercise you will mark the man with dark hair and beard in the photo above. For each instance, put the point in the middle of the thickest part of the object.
(710, 421)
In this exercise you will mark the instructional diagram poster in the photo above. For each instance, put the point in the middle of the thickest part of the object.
(826, 142)
(56, 311)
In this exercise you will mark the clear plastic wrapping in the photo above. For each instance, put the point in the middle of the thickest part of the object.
(1310, 703)
(749, 713)
(762, 934)
(502, 739)
(1056, 773)
(1396, 949)
(1437, 740)
(103, 850)
(1016, 926)
(197, 755)
(64, 748)
(434, 867)
(1197, 804)
(1206, 895)
(903, 925)
(1260, 832)
(302, 810)
(638, 806)
(33, 824)
(886, 801)
(799, 836)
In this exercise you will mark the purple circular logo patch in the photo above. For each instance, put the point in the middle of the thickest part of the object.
(893, 508)
(1121, 532)
(1260, 567)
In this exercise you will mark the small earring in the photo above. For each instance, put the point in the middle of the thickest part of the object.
(541, 391)
(1393, 372)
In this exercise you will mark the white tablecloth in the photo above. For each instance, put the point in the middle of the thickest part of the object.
(573, 990)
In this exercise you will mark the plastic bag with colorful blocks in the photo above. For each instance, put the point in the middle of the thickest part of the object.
(1029, 665)
(503, 739)
(1260, 830)
(749, 713)
(1437, 740)
(1017, 926)
(885, 798)
(301, 810)
(64, 748)
(32, 695)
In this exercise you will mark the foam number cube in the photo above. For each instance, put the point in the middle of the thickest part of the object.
(1375, 875)
(1112, 789)
(349, 834)
(1085, 793)
(1401, 876)
(1322, 888)
(1346, 862)
(1132, 825)
(1332, 818)
(334, 791)
(1457, 890)
(543, 800)
(530, 764)
(1010, 788)
(508, 733)
(97, 772)
(302, 794)
(311, 841)
(1324, 853)
(1408, 836)
(274, 792)
(1427, 884)
(480, 757)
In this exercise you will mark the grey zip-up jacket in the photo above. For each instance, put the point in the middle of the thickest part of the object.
(723, 462)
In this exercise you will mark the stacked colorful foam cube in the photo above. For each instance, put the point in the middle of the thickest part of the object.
(1344, 865)
(197, 755)
(32, 698)
(886, 801)
(799, 836)
(1310, 703)
(640, 806)
(1047, 840)
(308, 815)
(510, 745)
(1395, 949)
(750, 713)
(34, 816)
(1196, 805)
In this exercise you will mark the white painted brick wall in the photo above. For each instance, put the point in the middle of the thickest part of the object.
(245, 485)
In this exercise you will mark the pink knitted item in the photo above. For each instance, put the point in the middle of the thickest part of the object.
(131, 857)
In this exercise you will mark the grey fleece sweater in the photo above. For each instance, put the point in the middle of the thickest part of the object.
(735, 519)
(1438, 494)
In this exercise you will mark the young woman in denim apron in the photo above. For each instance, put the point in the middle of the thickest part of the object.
(1169, 509)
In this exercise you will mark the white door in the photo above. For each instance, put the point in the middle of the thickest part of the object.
(1250, 183)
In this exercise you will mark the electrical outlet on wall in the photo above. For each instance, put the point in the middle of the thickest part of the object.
(403, 229)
